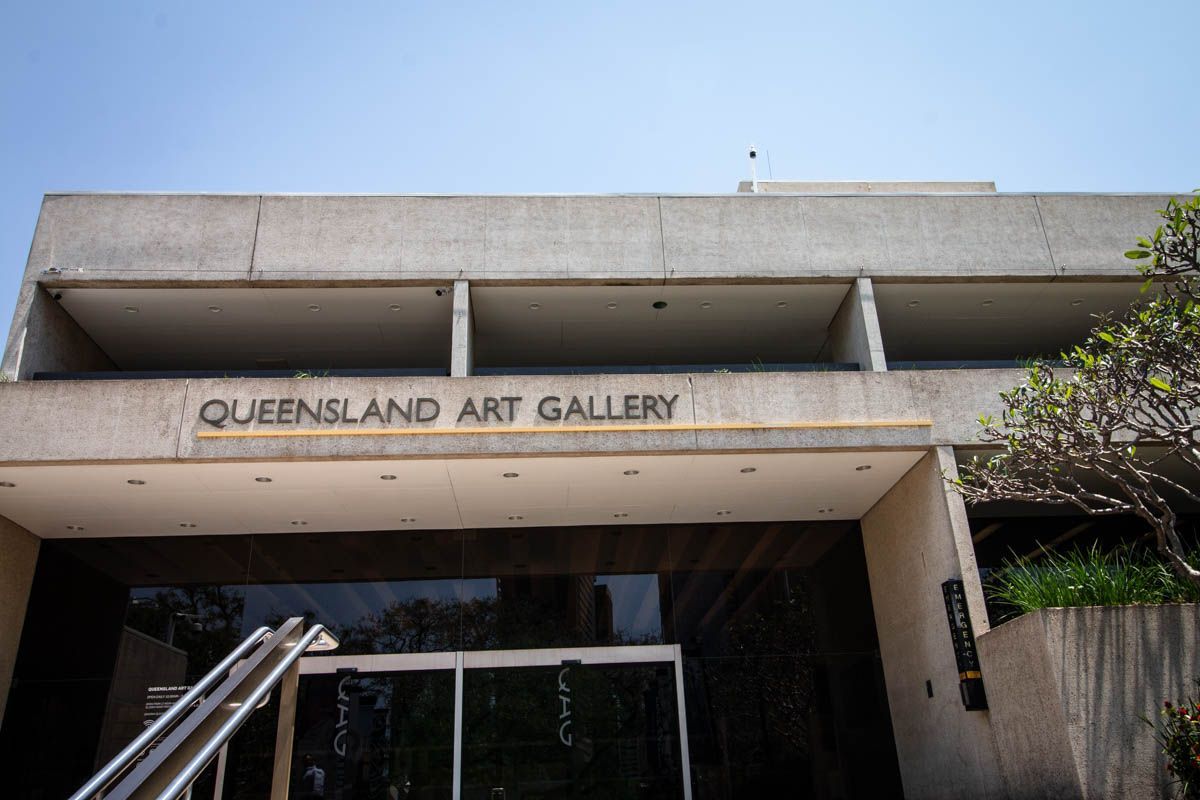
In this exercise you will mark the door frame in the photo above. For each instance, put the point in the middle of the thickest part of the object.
(460, 661)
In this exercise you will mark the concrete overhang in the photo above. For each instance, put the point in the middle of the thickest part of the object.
(166, 239)
(136, 458)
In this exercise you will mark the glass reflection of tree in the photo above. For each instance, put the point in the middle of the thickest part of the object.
(622, 733)
(506, 621)
(209, 617)
(763, 680)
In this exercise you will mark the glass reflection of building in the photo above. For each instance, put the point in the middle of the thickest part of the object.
(781, 668)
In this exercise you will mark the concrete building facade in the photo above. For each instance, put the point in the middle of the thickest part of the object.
(693, 446)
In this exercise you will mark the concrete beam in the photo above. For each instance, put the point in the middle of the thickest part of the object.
(18, 559)
(854, 336)
(915, 538)
(112, 421)
(462, 336)
(86, 239)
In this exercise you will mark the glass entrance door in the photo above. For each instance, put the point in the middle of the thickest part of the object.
(600, 722)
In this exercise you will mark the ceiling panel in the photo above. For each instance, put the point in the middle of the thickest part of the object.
(188, 499)
(203, 328)
(985, 321)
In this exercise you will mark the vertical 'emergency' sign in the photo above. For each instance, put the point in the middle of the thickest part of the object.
(970, 679)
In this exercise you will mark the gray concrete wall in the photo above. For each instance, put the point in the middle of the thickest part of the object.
(1068, 688)
(915, 538)
(854, 336)
(237, 238)
(52, 341)
(18, 558)
(157, 420)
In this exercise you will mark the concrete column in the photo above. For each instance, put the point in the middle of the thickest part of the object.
(18, 558)
(45, 338)
(462, 347)
(915, 537)
(853, 336)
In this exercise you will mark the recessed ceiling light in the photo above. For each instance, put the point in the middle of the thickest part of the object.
(781, 304)
(1078, 301)
(987, 303)
(659, 304)
(824, 510)
(263, 479)
(135, 482)
(534, 306)
(408, 519)
(299, 522)
(620, 515)
(611, 306)
(512, 474)
(131, 309)
(862, 468)
(215, 309)
(914, 303)
(706, 305)
(75, 527)
(314, 307)
(724, 513)
(187, 524)
(632, 472)
(515, 517)
(387, 477)
(394, 307)
(7, 485)
(748, 470)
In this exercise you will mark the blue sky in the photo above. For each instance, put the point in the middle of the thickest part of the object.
(574, 97)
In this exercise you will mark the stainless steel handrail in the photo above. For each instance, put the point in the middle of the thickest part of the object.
(134, 748)
(179, 785)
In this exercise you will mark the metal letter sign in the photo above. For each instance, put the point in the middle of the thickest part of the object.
(970, 680)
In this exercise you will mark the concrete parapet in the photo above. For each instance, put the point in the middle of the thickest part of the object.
(177, 239)
(1068, 688)
(158, 420)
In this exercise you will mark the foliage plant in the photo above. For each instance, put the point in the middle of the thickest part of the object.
(1178, 733)
(1099, 431)
(1088, 577)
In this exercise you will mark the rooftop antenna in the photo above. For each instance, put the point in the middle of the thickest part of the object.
(753, 169)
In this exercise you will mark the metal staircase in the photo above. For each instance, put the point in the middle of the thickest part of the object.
(167, 757)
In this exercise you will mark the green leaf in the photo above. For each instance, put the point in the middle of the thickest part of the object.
(1106, 336)
(1146, 286)
(1159, 383)
(1136, 254)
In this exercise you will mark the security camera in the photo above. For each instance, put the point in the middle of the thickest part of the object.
(57, 295)
(753, 152)
(440, 292)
